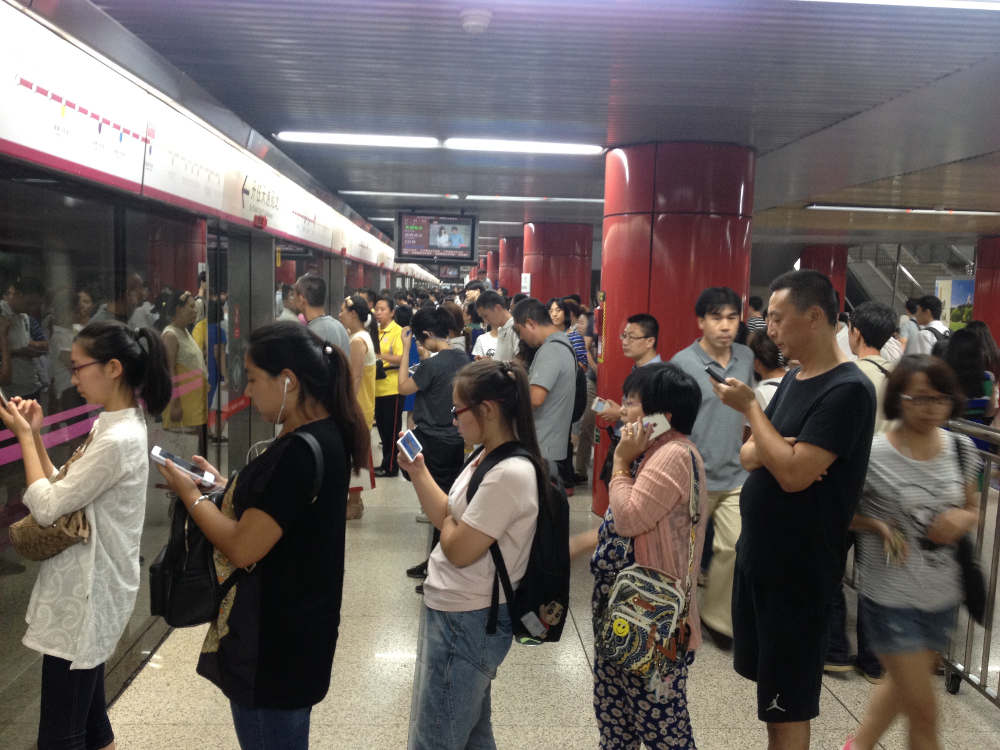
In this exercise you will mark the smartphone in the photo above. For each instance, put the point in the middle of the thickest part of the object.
(3, 398)
(599, 405)
(409, 444)
(160, 456)
(658, 423)
(715, 373)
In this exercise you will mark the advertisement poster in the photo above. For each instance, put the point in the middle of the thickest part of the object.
(956, 301)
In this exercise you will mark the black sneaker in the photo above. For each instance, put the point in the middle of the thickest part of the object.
(419, 588)
(722, 641)
(417, 571)
(834, 666)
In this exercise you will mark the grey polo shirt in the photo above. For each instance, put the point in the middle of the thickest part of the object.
(554, 369)
(718, 431)
(333, 332)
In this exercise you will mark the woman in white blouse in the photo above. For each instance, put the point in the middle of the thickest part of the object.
(84, 596)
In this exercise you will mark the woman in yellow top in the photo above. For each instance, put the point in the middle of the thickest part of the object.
(187, 406)
(353, 314)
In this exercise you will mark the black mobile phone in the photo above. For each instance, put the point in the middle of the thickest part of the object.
(715, 373)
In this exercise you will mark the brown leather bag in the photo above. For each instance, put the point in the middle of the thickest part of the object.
(37, 543)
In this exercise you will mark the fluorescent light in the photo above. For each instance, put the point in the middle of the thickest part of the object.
(487, 238)
(894, 210)
(505, 223)
(523, 147)
(382, 218)
(377, 193)
(359, 139)
(531, 199)
(948, 4)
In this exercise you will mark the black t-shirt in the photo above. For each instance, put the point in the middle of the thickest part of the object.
(282, 628)
(801, 536)
(432, 405)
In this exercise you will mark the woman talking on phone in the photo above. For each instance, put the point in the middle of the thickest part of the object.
(271, 648)
(457, 658)
(83, 596)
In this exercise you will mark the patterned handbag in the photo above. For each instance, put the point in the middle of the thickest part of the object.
(35, 542)
(644, 629)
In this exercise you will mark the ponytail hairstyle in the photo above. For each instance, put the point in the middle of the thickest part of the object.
(507, 384)
(142, 356)
(323, 373)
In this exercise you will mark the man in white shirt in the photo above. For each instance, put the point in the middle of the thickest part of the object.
(288, 311)
(491, 308)
(932, 329)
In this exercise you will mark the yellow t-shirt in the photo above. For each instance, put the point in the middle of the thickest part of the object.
(390, 342)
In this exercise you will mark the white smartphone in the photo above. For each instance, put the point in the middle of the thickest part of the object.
(3, 398)
(658, 423)
(409, 444)
(204, 478)
(599, 405)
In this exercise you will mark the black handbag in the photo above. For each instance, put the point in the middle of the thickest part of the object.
(973, 580)
(184, 587)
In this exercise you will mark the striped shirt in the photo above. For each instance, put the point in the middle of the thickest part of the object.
(908, 495)
(579, 347)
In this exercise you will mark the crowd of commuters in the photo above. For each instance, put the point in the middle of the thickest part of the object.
(745, 465)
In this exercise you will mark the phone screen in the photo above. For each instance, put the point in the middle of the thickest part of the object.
(180, 462)
(410, 445)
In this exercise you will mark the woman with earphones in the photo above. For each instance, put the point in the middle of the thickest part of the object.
(271, 648)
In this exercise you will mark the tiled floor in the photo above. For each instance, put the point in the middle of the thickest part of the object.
(542, 695)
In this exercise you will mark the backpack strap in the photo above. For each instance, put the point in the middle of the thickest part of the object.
(694, 510)
(876, 364)
(572, 352)
(310, 440)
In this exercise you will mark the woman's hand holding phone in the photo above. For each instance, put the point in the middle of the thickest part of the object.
(410, 467)
(14, 415)
(204, 465)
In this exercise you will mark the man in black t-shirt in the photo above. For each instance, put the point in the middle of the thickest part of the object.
(807, 460)
(431, 381)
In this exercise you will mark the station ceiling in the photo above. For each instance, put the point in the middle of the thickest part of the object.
(855, 104)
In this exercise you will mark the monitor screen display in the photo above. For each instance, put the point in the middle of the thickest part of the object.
(424, 237)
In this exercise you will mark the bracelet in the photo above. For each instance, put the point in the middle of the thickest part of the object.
(619, 473)
(201, 499)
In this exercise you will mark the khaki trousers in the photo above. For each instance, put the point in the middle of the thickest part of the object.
(717, 599)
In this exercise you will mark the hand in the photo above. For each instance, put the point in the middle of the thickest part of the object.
(176, 410)
(735, 394)
(31, 410)
(179, 482)
(893, 542)
(950, 526)
(612, 411)
(14, 421)
(415, 466)
(204, 465)
(634, 441)
(406, 336)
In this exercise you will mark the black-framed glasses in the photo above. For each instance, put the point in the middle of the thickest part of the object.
(630, 337)
(455, 411)
(927, 400)
(75, 369)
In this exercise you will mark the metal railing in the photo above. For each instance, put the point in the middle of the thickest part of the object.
(971, 647)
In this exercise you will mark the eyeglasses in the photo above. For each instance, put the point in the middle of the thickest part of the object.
(630, 337)
(928, 400)
(455, 411)
(75, 369)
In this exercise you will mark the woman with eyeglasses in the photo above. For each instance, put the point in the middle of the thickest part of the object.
(457, 658)
(84, 596)
(918, 501)
(188, 404)
(270, 650)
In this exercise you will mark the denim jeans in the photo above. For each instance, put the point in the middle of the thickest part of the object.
(73, 712)
(456, 663)
(271, 728)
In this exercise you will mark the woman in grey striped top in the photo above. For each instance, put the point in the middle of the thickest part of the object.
(918, 501)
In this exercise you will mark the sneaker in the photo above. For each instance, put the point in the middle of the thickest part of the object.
(422, 518)
(417, 571)
(419, 588)
(874, 679)
(835, 666)
(579, 478)
(355, 510)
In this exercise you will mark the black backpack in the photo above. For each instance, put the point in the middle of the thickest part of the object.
(580, 395)
(183, 586)
(938, 335)
(538, 608)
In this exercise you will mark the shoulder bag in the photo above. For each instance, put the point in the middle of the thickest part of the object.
(645, 628)
(973, 580)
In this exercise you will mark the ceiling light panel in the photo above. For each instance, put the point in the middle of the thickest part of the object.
(531, 199)
(358, 139)
(380, 194)
(523, 147)
(895, 210)
(944, 4)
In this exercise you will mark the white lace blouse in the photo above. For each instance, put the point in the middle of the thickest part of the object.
(84, 596)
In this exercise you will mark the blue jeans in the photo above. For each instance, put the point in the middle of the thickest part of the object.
(271, 728)
(456, 664)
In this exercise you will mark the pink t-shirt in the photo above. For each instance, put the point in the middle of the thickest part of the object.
(504, 507)
(654, 510)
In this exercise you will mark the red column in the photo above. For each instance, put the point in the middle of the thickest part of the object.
(986, 299)
(176, 249)
(493, 267)
(511, 262)
(552, 254)
(676, 220)
(583, 262)
(473, 273)
(830, 260)
(284, 272)
(482, 266)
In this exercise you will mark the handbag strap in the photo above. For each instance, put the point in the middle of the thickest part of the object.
(694, 509)
(317, 452)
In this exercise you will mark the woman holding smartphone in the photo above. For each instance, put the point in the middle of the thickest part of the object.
(457, 658)
(271, 648)
(83, 596)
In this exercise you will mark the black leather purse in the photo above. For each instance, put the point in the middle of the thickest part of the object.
(973, 580)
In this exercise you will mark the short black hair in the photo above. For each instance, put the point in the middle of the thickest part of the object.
(489, 299)
(470, 310)
(911, 306)
(939, 373)
(313, 288)
(648, 324)
(634, 380)
(477, 284)
(286, 291)
(809, 288)
(765, 350)
(875, 322)
(402, 314)
(932, 304)
(436, 320)
(575, 298)
(714, 299)
(517, 298)
(755, 303)
(667, 388)
(33, 286)
(531, 309)
(385, 298)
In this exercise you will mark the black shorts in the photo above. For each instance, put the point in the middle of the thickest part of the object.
(779, 642)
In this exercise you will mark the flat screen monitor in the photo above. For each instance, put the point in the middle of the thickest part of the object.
(435, 237)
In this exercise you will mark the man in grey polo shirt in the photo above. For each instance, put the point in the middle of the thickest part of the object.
(719, 435)
(310, 298)
(552, 377)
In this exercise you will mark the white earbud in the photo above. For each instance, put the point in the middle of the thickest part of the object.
(285, 389)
